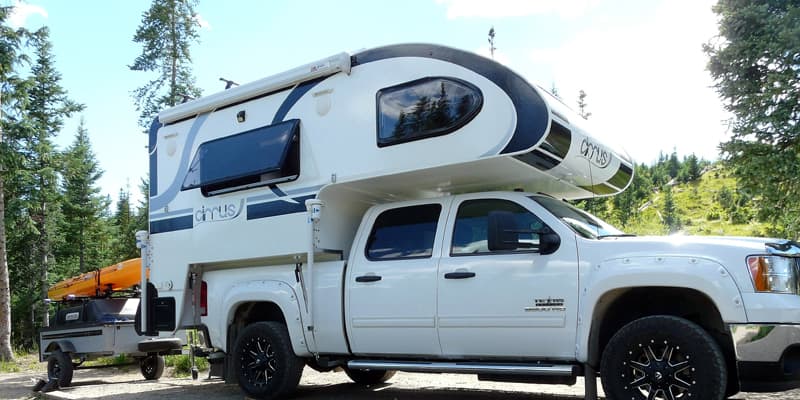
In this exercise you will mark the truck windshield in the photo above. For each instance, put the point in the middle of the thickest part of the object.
(583, 223)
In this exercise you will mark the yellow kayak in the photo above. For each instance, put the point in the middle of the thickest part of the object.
(119, 276)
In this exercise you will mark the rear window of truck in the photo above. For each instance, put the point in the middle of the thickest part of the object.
(406, 232)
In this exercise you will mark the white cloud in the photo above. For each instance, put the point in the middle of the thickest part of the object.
(21, 11)
(202, 22)
(514, 8)
(647, 85)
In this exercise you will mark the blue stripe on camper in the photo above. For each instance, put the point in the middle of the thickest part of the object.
(172, 224)
(277, 191)
(532, 114)
(294, 97)
(161, 201)
(153, 138)
(278, 207)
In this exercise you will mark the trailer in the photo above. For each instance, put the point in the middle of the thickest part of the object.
(95, 317)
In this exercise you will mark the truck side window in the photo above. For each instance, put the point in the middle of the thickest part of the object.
(470, 231)
(406, 232)
(424, 108)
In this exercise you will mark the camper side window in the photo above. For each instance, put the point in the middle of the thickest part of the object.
(258, 157)
(406, 232)
(425, 108)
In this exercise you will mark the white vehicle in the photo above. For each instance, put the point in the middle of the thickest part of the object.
(398, 209)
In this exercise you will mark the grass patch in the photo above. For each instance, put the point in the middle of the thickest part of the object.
(9, 366)
(182, 364)
(24, 360)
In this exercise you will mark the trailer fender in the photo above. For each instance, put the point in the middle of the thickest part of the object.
(279, 293)
(64, 345)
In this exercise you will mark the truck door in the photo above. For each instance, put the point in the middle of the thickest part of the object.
(391, 282)
(512, 303)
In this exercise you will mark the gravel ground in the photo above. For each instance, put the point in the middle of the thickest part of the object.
(128, 384)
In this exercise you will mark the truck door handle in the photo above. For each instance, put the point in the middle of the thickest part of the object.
(368, 278)
(459, 275)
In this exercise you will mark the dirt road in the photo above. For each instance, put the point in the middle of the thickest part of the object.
(129, 385)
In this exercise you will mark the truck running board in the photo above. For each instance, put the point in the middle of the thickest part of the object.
(493, 369)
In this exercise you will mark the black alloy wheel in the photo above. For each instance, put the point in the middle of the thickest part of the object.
(264, 361)
(663, 358)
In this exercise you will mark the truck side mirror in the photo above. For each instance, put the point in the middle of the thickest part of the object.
(549, 241)
(503, 234)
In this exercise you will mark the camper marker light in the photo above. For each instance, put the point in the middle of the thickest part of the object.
(773, 274)
(240, 116)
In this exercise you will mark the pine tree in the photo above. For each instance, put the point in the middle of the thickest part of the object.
(167, 31)
(143, 209)
(441, 109)
(627, 203)
(554, 90)
(582, 106)
(421, 114)
(10, 57)
(691, 168)
(755, 64)
(492, 34)
(49, 106)
(673, 165)
(670, 217)
(125, 226)
(83, 208)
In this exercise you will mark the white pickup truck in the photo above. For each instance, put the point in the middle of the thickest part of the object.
(384, 211)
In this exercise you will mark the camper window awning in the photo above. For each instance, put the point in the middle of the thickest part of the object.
(256, 157)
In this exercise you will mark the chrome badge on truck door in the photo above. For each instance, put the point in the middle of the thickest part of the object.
(548, 304)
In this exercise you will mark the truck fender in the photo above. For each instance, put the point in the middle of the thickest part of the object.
(702, 275)
(271, 291)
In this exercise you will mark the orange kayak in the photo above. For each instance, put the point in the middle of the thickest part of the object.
(120, 276)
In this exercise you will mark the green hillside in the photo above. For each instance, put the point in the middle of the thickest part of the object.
(709, 205)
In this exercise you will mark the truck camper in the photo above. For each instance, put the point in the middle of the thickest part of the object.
(400, 208)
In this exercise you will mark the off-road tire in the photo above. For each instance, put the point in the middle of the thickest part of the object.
(152, 367)
(59, 366)
(369, 376)
(264, 362)
(670, 356)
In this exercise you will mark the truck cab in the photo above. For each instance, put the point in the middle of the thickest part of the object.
(436, 278)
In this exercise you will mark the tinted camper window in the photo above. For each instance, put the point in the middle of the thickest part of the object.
(406, 232)
(424, 108)
(257, 157)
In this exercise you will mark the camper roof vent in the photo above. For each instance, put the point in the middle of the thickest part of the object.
(324, 67)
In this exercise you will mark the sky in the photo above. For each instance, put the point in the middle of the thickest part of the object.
(639, 61)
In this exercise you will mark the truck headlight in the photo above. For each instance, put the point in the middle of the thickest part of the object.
(774, 274)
